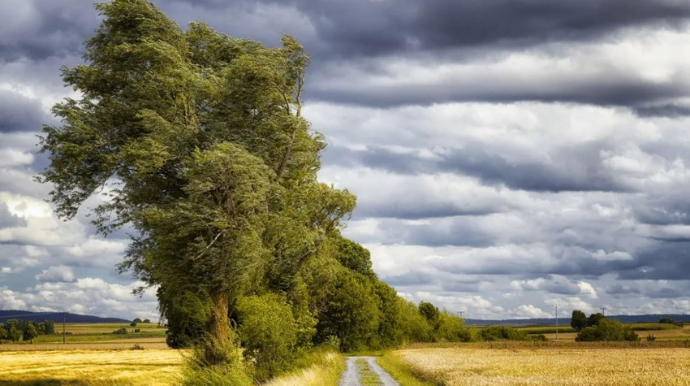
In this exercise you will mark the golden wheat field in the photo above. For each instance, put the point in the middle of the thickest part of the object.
(574, 366)
(90, 367)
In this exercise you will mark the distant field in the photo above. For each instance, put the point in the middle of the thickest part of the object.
(90, 367)
(578, 365)
(88, 333)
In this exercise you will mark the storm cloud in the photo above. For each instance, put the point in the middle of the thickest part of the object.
(508, 155)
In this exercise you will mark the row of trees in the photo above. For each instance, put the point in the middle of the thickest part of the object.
(335, 301)
(15, 330)
(199, 142)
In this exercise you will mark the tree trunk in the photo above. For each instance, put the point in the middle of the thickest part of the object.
(218, 347)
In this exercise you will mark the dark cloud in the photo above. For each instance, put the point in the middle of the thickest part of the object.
(576, 168)
(19, 113)
(37, 30)
(364, 27)
(665, 260)
(670, 110)
(650, 289)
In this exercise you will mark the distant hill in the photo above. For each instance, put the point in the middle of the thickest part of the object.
(56, 317)
(565, 320)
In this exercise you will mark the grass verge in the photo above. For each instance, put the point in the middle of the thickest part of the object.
(404, 373)
(318, 368)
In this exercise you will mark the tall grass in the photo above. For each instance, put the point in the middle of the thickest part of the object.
(320, 368)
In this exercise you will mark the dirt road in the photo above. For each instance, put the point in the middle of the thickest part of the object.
(365, 368)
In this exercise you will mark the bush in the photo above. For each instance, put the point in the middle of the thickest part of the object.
(666, 320)
(268, 332)
(607, 330)
(502, 333)
(451, 328)
(651, 338)
(120, 331)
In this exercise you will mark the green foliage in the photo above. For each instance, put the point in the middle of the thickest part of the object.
(430, 313)
(353, 256)
(30, 333)
(4, 334)
(233, 372)
(136, 321)
(578, 320)
(451, 328)
(351, 313)
(186, 313)
(215, 167)
(47, 327)
(493, 333)
(133, 324)
(147, 321)
(268, 333)
(607, 330)
(14, 334)
(595, 319)
(667, 320)
(120, 331)
(413, 324)
(390, 313)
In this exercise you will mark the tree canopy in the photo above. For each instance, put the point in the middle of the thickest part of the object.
(198, 142)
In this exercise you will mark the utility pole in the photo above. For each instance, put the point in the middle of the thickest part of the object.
(556, 321)
(64, 335)
(603, 311)
(460, 313)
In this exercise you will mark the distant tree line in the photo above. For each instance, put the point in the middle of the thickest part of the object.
(597, 328)
(15, 330)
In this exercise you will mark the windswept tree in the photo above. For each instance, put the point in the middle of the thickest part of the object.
(198, 141)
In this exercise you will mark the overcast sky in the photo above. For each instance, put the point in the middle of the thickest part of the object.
(507, 155)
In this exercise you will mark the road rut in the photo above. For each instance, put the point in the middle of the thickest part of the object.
(356, 368)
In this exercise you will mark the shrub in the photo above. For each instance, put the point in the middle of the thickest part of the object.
(607, 330)
(451, 328)
(331, 342)
(268, 333)
(667, 320)
(120, 331)
(502, 333)
(651, 338)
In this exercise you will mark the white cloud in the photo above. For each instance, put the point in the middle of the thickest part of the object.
(58, 273)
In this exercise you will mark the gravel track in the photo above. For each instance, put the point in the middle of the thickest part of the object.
(351, 375)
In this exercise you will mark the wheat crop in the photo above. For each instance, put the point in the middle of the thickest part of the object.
(86, 367)
(554, 367)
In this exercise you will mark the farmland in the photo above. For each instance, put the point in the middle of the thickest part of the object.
(94, 356)
(559, 365)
